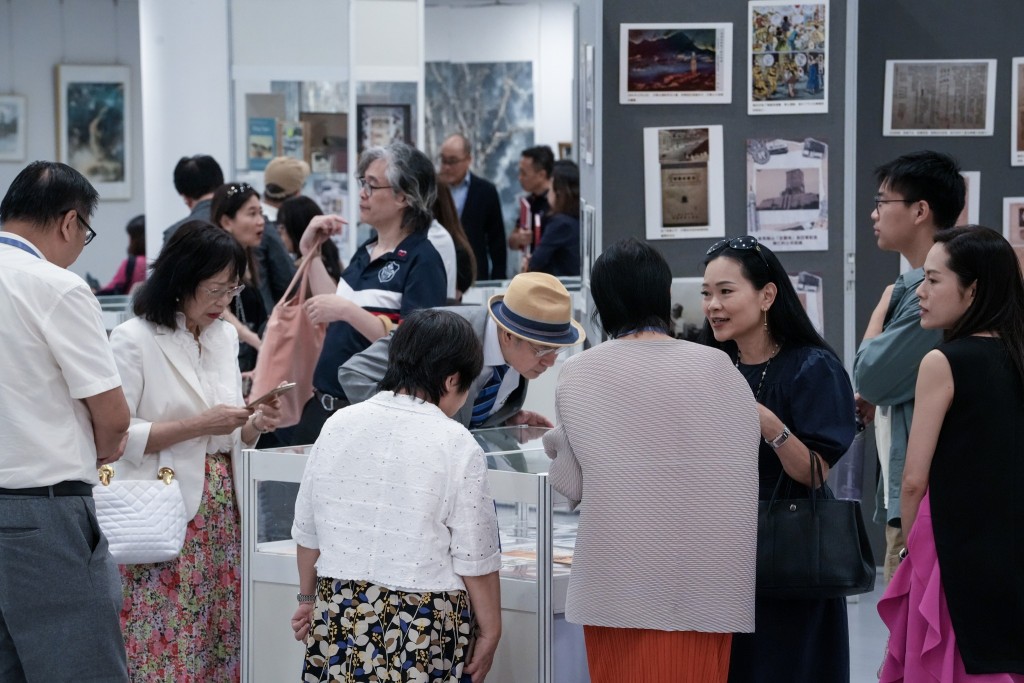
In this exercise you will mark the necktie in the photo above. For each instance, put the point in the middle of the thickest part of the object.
(484, 402)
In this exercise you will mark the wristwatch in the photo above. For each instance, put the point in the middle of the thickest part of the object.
(777, 442)
(302, 597)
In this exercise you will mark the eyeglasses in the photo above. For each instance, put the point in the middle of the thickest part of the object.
(365, 186)
(451, 161)
(879, 201)
(90, 234)
(221, 292)
(544, 351)
(238, 188)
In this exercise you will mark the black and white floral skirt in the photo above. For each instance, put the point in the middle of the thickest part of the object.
(365, 632)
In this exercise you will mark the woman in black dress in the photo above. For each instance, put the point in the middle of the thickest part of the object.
(805, 403)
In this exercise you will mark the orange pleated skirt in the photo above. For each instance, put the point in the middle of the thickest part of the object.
(627, 655)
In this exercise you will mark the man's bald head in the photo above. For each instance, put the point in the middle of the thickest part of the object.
(455, 159)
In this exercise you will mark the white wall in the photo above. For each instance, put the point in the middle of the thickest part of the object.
(538, 33)
(39, 34)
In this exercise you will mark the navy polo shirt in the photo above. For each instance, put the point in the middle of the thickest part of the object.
(407, 279)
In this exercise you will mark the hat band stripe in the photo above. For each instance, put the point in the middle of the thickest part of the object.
(535, 327)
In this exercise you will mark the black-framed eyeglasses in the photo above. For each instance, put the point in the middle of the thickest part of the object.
(238, 188)
(365, 186)
(90, 234)
(879, 201)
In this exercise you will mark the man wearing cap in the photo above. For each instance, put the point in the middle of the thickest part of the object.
(283, 178)
(522, 332)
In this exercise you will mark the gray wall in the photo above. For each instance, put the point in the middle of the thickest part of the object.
(622, 202)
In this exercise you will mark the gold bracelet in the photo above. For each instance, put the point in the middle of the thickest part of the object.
(387, 322)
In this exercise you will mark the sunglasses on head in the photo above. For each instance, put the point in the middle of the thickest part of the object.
(238, 188)
(744, 243)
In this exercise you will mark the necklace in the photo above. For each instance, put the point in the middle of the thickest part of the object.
(760, 384)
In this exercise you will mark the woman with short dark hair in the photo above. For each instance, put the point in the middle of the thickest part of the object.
(394, 513)
(393, 273)
(177, 361)
(657, 437)
(558, 252)
(132, 270)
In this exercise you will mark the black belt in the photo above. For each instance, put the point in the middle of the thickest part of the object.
(64, 488)
(328, 402)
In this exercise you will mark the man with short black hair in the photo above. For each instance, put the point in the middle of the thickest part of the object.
(195, 179)
(918, 194)
(536, 166)
(62, 414)
(479, 207)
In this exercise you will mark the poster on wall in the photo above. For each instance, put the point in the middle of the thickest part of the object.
(809, 290)
(683, 182)
(1017, 114)
(381, 124)
(261, 142)
(787, 193)
(12, 128)
(93, 132)
(787, 58)
(972, 198)
(1013, 225)
(687, 312)
(587, 110)
(675, 64)
(953, 97)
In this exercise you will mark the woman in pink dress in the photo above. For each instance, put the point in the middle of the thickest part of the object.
(955, 608)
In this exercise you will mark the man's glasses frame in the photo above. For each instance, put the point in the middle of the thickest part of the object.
(90, 234)
(365, 186)
(540, 351)
(879, 201)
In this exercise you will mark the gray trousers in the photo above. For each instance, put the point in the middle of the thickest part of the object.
(60, 593)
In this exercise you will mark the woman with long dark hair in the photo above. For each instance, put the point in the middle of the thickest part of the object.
(805, 403)
(558, 252)
(293, 216)
(955, 606)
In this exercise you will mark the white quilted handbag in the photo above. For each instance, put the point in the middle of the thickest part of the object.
(143, 520)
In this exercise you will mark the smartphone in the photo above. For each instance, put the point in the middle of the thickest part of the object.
(276, 391)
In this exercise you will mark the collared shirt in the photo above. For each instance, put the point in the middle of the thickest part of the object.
(396, 493)
(459, 193)
(494, 357)
(395, 284)
(55, 353)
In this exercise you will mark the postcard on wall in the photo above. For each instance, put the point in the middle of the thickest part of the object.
(683, 182)
(12, 128)
(93, 125)
(954, 97)
(809, 290)
(675, 64)
(1017, 114)
(972, 198)
(787, 193)
(687, 312)
(262, 142)
(1013, 225)
(787, 57)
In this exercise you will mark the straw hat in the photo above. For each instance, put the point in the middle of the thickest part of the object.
(536, 307)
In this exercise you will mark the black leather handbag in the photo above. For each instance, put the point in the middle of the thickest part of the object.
(812, 548)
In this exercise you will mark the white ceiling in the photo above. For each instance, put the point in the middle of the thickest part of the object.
(491, 3)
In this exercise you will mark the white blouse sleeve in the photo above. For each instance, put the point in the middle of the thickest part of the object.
(472, 521)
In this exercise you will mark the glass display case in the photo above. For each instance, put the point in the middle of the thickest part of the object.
(537, 532)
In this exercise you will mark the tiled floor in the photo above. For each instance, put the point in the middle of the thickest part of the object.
(868, 636)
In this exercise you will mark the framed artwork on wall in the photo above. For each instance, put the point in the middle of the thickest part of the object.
(675, 64)
(382, 124)
(93, 132)
(12, 128)
(787, 57)
(683, 182)
(951, 97)
(1017, 113)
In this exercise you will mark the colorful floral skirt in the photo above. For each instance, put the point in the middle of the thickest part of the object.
(364, 632)
(182, 619)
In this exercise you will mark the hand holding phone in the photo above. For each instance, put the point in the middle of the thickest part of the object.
(271, 395)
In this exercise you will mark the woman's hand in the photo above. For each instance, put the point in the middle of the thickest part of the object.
(482, 657)
(771, 425)
(302, 620)
(318, 230)
(221, 419)
(327, 308)
(268, 416)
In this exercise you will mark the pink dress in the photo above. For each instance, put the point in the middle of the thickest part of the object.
(922, 646)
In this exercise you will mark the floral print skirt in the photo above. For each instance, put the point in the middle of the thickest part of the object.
(182, 619)
(364, 632)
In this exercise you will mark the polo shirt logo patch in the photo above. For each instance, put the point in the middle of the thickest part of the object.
(388, 272)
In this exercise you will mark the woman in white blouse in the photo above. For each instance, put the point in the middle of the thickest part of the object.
(178, 366)
(397, 539)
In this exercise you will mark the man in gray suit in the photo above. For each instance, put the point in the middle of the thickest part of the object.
(522, 332)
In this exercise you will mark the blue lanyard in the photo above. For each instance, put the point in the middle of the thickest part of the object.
(19, 245)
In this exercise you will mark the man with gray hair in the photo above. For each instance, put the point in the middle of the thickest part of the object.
(62, 414)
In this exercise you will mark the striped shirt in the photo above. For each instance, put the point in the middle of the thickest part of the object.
(658, 441)
(399, 282)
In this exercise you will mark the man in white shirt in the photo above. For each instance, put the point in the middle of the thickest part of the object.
(62, 414)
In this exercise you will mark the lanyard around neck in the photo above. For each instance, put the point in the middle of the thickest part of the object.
(19, 245)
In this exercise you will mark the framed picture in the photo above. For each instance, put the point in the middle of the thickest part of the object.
(1017, 113)
(564, 151)
(327, 141)
(952, 97)
(1013, 224)
(787, 57)
(12, 128)
(787, 192)
(382, 124)
(93, 131)
(683, 182)
(675, 64)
